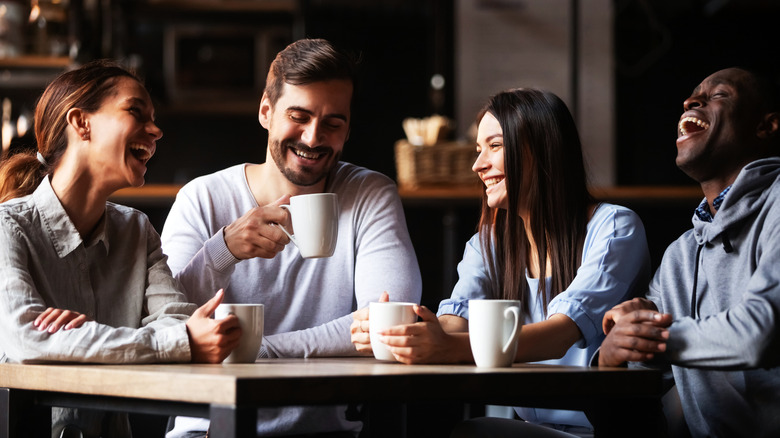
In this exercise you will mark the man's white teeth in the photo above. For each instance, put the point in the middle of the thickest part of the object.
(308, 155)
(490, 182)
(686, 120)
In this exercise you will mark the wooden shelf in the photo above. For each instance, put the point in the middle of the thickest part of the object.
(225, 5)
(152, 195)
(164, 194)
(610, 194)
(32, 61)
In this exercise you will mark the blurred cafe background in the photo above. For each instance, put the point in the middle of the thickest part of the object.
(624, 68)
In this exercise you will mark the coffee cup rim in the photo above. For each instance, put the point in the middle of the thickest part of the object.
(241, 304)
(397, 303)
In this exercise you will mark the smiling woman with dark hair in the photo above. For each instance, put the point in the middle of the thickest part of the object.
(542, 240)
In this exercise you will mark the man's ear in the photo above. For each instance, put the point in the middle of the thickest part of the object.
(264, 114)
(77, 120)
(769, 126)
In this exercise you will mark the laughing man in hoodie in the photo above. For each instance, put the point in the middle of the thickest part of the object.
(712, 310)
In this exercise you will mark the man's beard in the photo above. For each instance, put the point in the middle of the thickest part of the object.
(306, 176)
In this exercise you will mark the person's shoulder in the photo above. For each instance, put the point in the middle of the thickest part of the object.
(353, 177)
(613, 213)
(349, 171)
(685, 244)
(18, 210)
(17, 205)
(125, 215)
(224, 178)
(774, 189)
(21, 209)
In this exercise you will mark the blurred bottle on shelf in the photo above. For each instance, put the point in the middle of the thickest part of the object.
(11, 28)
(48, 27)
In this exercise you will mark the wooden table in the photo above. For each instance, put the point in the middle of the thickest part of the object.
(613, 398)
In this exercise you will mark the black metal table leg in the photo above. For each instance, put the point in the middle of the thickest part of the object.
(20, 416)
(232, 422)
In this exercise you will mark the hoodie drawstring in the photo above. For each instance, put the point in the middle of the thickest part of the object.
(726, 243)
(695, 281)
(727, 248)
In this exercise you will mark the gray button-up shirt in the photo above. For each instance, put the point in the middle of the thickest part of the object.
(118, 277)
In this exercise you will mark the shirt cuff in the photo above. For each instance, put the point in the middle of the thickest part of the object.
(573, 310)
(173, 344)
(457, 308)
(218, 254)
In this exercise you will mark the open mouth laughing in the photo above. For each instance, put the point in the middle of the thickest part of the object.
(690, 125)
(142, 152)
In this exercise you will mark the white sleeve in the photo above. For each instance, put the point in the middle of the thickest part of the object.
(198, 257)
(384, 261)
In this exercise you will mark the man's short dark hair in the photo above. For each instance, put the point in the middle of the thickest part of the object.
(306, 61)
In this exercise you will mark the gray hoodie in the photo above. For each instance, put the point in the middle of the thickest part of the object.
(723, 349)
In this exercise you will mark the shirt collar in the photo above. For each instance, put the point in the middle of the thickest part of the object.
(100, 234)
(703, 210)
(57, 224)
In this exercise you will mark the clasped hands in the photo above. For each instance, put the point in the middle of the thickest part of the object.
(422, 342)
(635, 331)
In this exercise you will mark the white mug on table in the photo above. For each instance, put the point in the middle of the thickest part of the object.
(315, 221)
(383, 315)
(494, 326)
(250, 318)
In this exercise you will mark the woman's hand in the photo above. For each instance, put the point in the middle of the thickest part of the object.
(211, 341)
(55, 319)
(359, 328)
(426, 341)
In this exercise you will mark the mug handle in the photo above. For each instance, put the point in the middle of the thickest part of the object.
(291, 236)
(515, 329)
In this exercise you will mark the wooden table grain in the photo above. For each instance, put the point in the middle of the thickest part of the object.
(229, 394)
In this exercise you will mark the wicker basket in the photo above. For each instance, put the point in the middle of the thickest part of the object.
(445, 163)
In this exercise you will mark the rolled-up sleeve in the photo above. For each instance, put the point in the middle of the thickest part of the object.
(615, 259)
(473, 281)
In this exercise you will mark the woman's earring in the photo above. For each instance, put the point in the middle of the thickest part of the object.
(85, 136)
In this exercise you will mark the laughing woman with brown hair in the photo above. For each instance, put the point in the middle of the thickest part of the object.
(83, 279)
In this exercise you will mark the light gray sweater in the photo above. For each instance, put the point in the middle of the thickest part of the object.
(725, 355)
(308, 302)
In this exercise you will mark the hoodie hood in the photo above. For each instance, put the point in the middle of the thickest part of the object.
(747, 195)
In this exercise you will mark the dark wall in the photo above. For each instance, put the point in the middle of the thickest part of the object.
(663, 50)
(400, 43)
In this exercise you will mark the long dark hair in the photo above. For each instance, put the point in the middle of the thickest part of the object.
(545, 173)
(85, 87)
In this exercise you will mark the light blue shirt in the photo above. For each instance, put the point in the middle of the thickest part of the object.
(615, 261)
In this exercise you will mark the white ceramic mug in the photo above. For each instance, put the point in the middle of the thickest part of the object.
(494, 326)
(315, 221)
(250, 317)
(385, 315)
